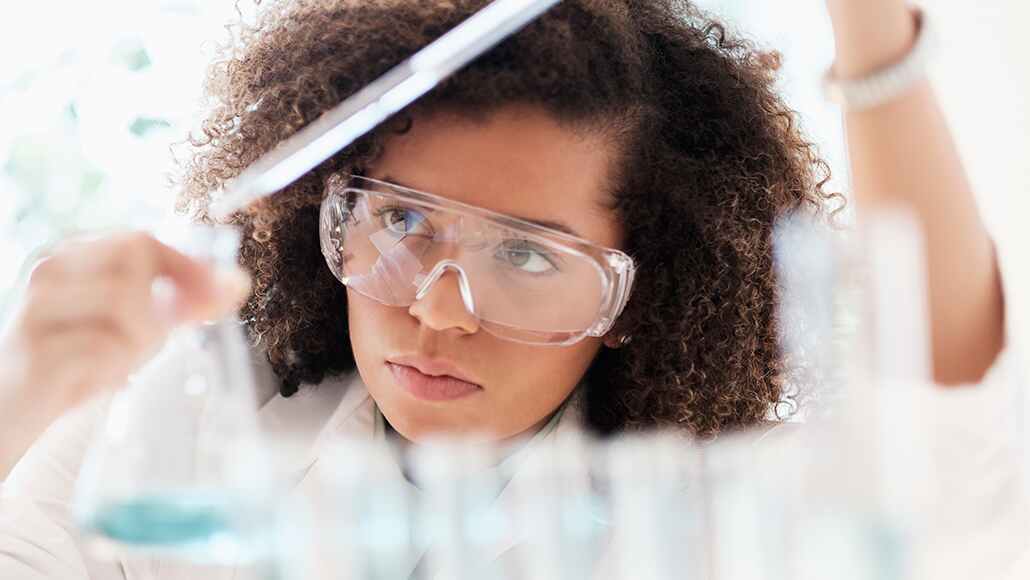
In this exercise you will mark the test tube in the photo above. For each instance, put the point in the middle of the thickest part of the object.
(459, 521)
(559, 512)
(656, 507)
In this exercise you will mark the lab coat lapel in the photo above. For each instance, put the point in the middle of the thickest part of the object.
(354, 418)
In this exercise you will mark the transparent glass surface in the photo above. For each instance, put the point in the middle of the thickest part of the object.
(560, 510)
(522, 281)
(357, 518)
(177, 466)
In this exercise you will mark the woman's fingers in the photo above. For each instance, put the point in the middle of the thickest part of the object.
(202, 292)
(127, 307)
(91, 358)
(96, 309)
(136, 260)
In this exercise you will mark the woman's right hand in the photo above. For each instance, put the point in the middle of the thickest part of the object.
(92, 313)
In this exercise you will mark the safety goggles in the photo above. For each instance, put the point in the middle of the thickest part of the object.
(522, 281)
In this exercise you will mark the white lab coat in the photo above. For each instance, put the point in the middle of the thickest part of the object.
(983, 424)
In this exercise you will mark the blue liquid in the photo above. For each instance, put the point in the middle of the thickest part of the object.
(163, 521)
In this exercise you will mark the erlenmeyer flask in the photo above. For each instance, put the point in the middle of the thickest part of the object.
(177, 467)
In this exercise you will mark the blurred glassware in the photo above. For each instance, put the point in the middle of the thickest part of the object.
(178, 466)
(364, 515)
(460, 522)
(659, 518)
(865, 483)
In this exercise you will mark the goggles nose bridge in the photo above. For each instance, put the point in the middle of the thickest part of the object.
(463, 283)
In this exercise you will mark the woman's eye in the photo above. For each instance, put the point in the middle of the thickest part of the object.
(401, 220)
(527, 258)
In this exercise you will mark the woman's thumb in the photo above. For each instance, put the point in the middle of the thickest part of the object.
(223, 291)
(232, 288)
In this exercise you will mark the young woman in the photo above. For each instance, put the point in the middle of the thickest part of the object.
(489, 236)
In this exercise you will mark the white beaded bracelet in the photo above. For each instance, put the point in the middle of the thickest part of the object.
(886, 84)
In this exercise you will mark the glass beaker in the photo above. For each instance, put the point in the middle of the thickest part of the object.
(177, 468)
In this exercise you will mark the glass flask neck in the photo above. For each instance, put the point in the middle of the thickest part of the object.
(216, 245)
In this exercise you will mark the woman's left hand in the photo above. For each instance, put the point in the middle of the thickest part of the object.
(902, 154)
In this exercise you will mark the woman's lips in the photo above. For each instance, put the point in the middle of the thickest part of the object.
(431, 388)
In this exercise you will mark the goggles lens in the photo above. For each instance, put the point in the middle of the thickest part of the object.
(520, 283)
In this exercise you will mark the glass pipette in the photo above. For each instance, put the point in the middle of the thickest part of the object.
(363, 111)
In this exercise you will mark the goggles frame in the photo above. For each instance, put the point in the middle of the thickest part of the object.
(617, 269)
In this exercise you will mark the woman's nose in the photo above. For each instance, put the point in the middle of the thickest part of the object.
(443, 305)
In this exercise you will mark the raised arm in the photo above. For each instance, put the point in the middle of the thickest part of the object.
(902, 153)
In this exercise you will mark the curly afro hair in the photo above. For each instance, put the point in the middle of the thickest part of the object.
(707, 145)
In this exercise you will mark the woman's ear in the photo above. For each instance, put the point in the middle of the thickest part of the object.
(613, 340)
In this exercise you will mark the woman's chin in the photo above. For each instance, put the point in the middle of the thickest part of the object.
(417, 421)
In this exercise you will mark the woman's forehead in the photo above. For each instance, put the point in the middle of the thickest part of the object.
(519, 162)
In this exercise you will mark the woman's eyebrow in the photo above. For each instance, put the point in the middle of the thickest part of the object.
(559, 226)
(554, 225)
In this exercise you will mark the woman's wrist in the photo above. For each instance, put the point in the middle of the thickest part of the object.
(870, 35)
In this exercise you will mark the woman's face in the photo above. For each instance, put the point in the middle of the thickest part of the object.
(520, 162)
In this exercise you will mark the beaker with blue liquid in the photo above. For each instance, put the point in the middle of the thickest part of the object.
(177, 468)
